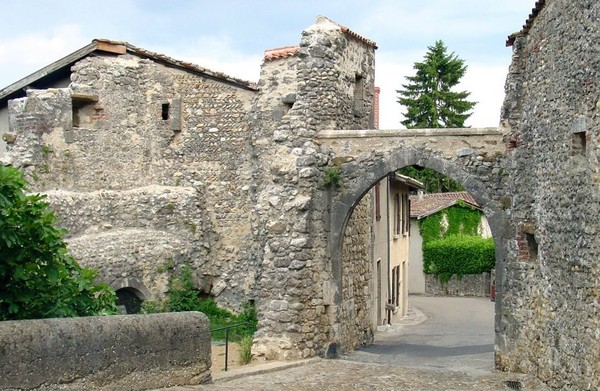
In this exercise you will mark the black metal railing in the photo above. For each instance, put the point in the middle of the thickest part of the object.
(226, 328)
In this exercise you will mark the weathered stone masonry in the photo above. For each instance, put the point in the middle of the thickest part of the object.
(229, 177)
(550, 325)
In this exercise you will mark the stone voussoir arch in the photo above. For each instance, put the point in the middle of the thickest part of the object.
(360, 171)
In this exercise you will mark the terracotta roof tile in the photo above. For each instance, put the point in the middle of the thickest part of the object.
(528, 23)
(352, 33)
(429, 204)
(282, 52)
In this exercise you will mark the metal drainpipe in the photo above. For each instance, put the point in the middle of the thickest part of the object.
(389, 286)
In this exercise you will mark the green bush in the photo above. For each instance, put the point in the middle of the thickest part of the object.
(38, 278)
(458, 255)
(183, 297)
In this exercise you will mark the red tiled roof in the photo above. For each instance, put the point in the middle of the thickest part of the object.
(528, 23)
(352, 33)
(289, 51)
(282, 52)
(429, 204)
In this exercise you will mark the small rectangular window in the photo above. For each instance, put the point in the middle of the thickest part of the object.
(397, 214)
(578, 143)
(165, 111)
(359, 103)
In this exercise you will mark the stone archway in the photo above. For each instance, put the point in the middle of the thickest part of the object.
(344, 202)
(131, 293)
(131, 299)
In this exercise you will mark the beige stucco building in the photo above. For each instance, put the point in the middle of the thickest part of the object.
(391, 229)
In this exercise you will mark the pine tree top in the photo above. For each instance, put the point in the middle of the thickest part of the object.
(428, 96)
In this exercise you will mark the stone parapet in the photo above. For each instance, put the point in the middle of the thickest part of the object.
(129, 352)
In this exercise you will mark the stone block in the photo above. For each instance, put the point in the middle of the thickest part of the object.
(133, 352)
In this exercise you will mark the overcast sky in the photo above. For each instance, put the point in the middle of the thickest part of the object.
(231, 35)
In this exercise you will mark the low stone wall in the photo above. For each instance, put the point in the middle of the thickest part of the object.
(129, 352)
(468, 285)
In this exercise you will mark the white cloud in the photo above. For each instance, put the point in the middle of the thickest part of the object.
(217, 53)
(485, 82)
(27, 53)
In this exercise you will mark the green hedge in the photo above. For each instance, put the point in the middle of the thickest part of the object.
(458, 255)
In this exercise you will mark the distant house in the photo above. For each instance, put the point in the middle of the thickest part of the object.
(423, 206)
(391, 229)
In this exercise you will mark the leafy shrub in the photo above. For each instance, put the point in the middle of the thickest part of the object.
(184, 297)
(462, 220)
(38, 278)
(332, 177)
(458, 255)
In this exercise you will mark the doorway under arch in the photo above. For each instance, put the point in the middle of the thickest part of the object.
(346, 203)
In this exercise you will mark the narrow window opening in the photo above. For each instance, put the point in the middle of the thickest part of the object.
(532, 246)
(359, 104)
(578, 143)
(397, 214)
(165, 111)
(405, 214)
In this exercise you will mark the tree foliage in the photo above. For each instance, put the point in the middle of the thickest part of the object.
(434, 181)
(38, 278)
(428, 96)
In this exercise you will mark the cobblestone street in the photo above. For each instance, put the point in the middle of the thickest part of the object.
(320, 374)
(435, 347)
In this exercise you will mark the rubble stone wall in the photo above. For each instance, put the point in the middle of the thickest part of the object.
(550, 322)
(358, 287)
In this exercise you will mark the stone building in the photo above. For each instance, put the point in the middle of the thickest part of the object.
(138, 154)
(151, 163)
(391, 229)
(550, 323)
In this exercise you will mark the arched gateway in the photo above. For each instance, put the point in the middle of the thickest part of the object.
(152, 163)
(471, 156)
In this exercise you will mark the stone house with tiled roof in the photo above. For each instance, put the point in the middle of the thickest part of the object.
(421, 207)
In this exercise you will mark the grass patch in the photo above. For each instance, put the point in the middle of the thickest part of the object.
(245, 350)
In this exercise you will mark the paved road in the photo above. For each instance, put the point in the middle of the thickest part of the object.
(445, 344)
(448, 333)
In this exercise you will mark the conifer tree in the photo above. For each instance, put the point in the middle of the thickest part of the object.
(428, 96)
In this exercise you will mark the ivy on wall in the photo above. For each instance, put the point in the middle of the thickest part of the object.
(452, 245)
(460, 219)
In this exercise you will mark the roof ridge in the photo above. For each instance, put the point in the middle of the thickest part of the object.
(281, 52)
(350, 32)
(179, 63)
(537, 8)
